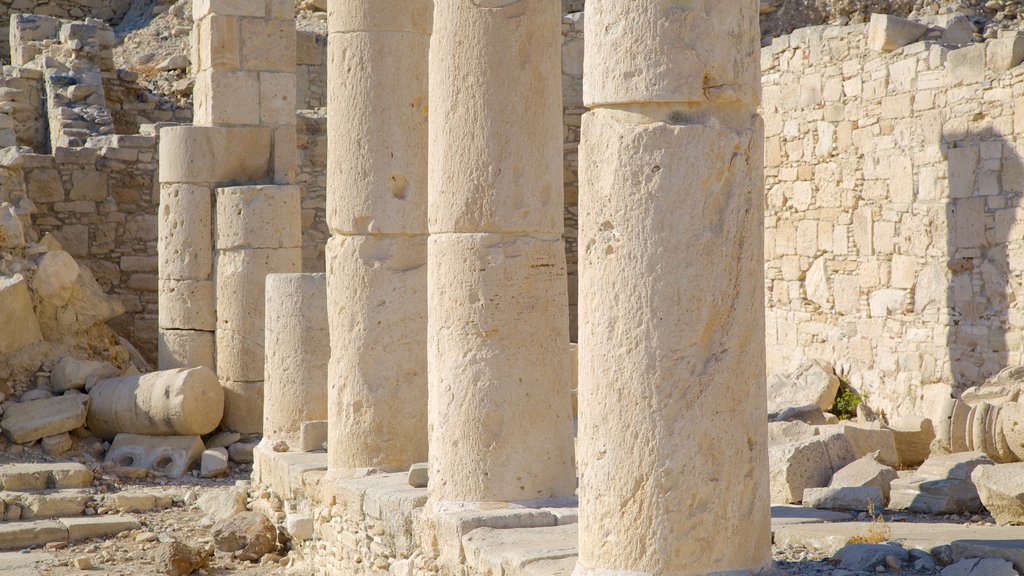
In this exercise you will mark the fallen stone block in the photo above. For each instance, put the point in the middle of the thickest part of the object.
(980, 567)
(313, 435)
(807, 414)
(942, 485)
(868, 557)
(72, 373)
(170, 456)
(868, 438)
(853, 498)
(134, 501)
(913, 436)
(214, 463)
(98, 526)
(241, 452)
(1002, 54)
(223, 439)
(809, 463)
(1001, 488)
(185, 402)
(247, 535)
(887, 33)
(812, 383)
(16, 310)
(57, 444)
(56, 504)
(784, 432)
(419, 475)
(299, 526)
(20, 535)
(866, 471)
(222, 504)
(30, 421)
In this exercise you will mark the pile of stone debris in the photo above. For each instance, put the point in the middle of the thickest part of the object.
(965, 463)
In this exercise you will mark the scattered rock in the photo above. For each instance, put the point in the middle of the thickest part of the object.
(852, 498)
(419, 475)
(942, 485)
(247, 535)
(812, 383)
(980, 567)
(223, 439)
(179, 559)
(913, 436)
(299, 526)
(313, 435)
(214, 463)
(31, 421)
(71, 373)
(868, 557)
(241, 452)
(809, 463)
(866, 471)
(220, 505)
(176, 62)
(1002, 491)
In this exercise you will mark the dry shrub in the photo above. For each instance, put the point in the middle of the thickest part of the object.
(878, 531)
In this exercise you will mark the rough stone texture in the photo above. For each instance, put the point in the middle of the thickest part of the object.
(913, 436)
(298, 350)
(170, 456)
(808, 463)
(671, 198)
(180, 401)
(16, 310)
(887, 33)
(30, 421)
(813, 383)
(980, 567)
(1001, 492)
(243, 406)
(942, 485)
(866, 471)
(854, 498)
(248, 535)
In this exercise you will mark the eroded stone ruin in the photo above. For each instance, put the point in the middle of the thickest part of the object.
(508, 288)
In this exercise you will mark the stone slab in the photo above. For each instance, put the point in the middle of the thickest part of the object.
(30, 421)
(509, 551)
(18, 535)
(98, 526)
(28, 477)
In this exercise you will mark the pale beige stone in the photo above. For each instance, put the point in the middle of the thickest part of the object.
(195, 154)
(184, 232)
(258, 217)
(1001, 492)
(55, 277)
(243, 406)
(498, 310)
(277, 99)
(378, 371)
(866, 471)
(185, 349)
(180, 401)
(298, 348)
(171, 456)
(227, 99)
(268, 45)
(378, 177)
(186, 305)
(218, 44)
(380, 16)
(240, 284)
(285, 155)
(16, 310)
(30, 421)
(808, 463)
(496, 161)
(202, 8)
(1002, 54)
(887, 33)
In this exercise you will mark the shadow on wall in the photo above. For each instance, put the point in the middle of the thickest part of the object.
(985, 255)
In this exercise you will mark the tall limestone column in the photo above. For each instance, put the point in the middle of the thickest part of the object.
(377, 254)
(672, 406)
(500, 406)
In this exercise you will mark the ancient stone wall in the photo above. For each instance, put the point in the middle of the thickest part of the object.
(110, 11)
(311, 174)
(893, 184)
(572, 113)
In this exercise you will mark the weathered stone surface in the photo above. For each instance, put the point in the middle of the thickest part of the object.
(809, 463)
(98, 526)
(868, 438)
(855, 498)
(187, 305)
(1001, 491)
(258, 217)
(26, 477)
(185, 349)
(221, 505)
(180, 559)
(74, 373)
(181, 401)
(866, 471)
(243, 406)
(887, 33)
(194, 154)
(29, 421)
(980, 567)
(913, 436)
(867, 557)
(419, 475)
(313, 435)
(247, 535)
(57, 444)
(242, 452)
(55, 277)
(812, 383)
(12, 234)
(16, 310)
(170, 456)
(214, 463)
(184, 232)
(942, 485)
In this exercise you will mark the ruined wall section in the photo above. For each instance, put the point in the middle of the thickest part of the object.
(893, 234)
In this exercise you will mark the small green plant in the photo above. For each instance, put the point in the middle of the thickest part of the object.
(847, 400)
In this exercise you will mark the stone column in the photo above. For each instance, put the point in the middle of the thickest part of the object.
(377, 254)
(500, 408)
(672, 402)
(259, 232)
(298, 348)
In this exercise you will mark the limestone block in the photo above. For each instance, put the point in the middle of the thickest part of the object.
(185, 349)
(214, 463)
(972, 566)
(913, 436)
(218, 44)
(74, 373)
(202, 8)
(809, 463)
(1001, 491)
(966, 65)
(299, 526)
(170, 456)
(56, 277)
(498, 314)
(866, 471)
(380, 16)
(29, 421)
(785, 432)
(377, 160)
(867, 438)
(57, 444)
(812, 383)
(376, 292)
(285, 154)
(240, 283)
(942, 485)
(672, 61)
(277, 98)
(268, 45)
(313, 435)
(35, 477)
(298, 346)
(310, 48)
(187, 305)
(858, 499)
(650, 229)
(419, 475)
(16, 310)
(196, 154)
(172, 402)
(184, 232)
(243, 407)
(259, 217)
(1004, 53)
(227, 99)
(887, 33)
(12, 234)
(508, 176)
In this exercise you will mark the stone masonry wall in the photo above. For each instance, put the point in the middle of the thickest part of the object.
(894, 245)
(572, 114)
(110, 11)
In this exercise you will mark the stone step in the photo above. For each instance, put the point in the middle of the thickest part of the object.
(48, 504)
(30, 533)
(37, 477)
